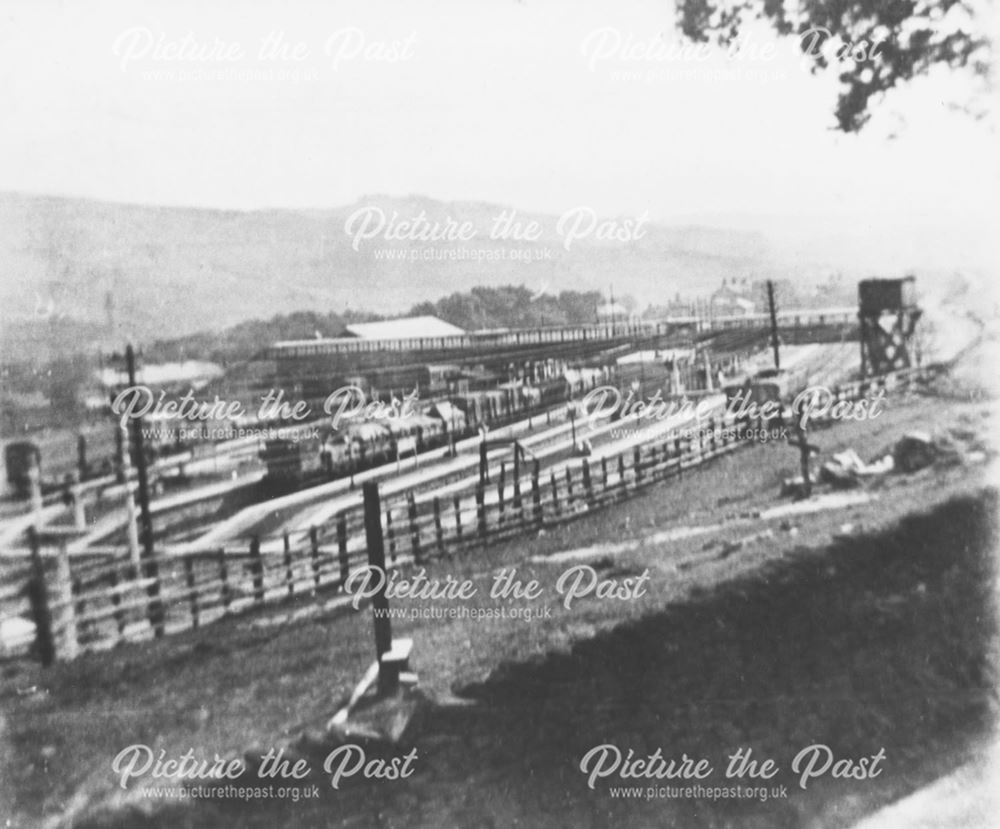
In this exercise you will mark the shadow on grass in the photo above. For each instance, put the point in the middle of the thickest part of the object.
(876, 642)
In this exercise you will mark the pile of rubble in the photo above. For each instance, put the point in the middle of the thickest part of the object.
(914, 451)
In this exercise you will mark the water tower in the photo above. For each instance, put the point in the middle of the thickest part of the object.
(888, 314)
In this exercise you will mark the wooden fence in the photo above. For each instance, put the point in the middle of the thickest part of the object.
(79, 606)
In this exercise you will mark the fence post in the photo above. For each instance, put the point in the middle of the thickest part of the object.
(76, 494)
(376, 560)
(192, 593)
(39, 598)
(438, 532)
(569, 489)
(622, 480)
(345, 562)
(314, 552)
(481, 510)
(392, 535)
(257, 569)
(156, 612)
(414, 529)
(637, 465)
(458, 517)
(654, 463)
(516, 503)
(500, 489)
(227, 595)
(116, 600)
(79, 609)
(289, 574)
(679, 455)
(66, 623)
(588, 489)
(536, 492)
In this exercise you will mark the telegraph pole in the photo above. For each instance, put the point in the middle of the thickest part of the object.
(151, 570)
(774, 324)
(145, 519)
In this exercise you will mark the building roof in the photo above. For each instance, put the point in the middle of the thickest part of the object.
(613, 309)
(406, 328)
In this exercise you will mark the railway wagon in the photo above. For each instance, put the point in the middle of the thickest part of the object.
(352, 448)
(363, 444)
(769, 385)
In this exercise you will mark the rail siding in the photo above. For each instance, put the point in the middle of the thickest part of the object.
(94, 605)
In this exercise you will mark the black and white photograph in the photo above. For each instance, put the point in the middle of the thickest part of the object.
(471, 414)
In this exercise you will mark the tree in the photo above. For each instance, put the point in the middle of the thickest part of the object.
(877, 43)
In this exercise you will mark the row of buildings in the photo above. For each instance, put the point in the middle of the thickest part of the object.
(742, 296)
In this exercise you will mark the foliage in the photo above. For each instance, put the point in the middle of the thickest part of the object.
(511, 306)
(877, 44)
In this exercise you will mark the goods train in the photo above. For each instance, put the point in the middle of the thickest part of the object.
(358, 445)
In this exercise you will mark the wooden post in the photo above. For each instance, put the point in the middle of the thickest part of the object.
(76, 495)
(345, 562)
(376, 560)
(227, 596)
(774, 327)
(622, 480)
(314, 553)
(192, 591)
(604, 472)
(116, 599)
(458, 517)
(257, 569)
(481, 510)
(81, 457)
(805, 450)
(35, 488)
(637, 465)
(392, 535)
(79, 609)
(588, 489)
(518, 508)
(39, 597)
(66, 622)
(132, 526)
(500, 489)
(414, 529)
(536, 492)
(150, 568)
(438, 532)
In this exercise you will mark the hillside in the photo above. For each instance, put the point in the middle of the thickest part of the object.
(75, 272)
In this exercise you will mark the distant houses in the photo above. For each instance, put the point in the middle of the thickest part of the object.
(732, 300)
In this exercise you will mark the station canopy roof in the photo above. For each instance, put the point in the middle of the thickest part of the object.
(404, 329)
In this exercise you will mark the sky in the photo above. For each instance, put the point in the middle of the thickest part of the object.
(540, 104)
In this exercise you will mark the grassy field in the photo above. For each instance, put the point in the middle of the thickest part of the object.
(864, 627)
